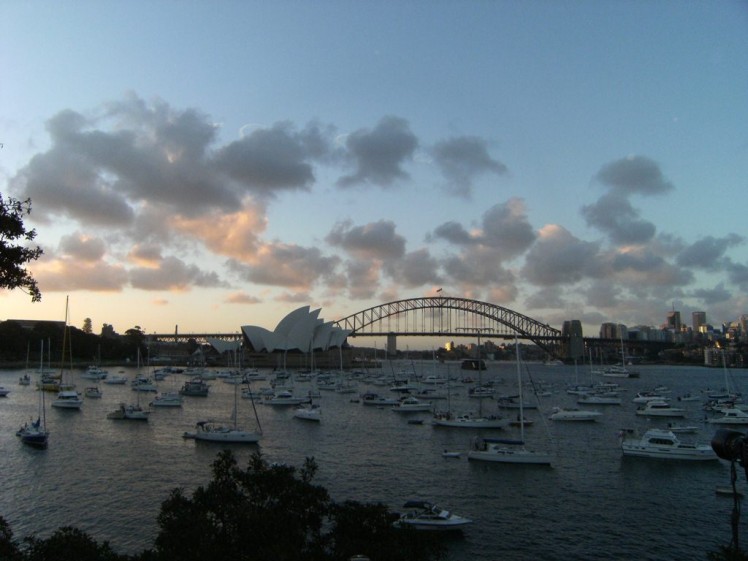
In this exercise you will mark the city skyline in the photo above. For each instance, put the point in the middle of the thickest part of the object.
(212, 168)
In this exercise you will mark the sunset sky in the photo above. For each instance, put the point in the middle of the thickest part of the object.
(217, 164)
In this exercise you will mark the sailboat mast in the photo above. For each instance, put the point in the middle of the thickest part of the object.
(519, 386)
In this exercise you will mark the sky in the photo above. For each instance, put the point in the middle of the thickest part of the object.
(206, 165)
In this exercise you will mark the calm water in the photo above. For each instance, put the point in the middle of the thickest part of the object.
(108, 477)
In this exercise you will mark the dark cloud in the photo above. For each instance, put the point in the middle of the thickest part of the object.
(713, 295)
(477, 268)
(288, 266)
(558, 257)
(504, 229)
(379, 154)
(362, 278)
(461, 159)
(738, 274)
(614, 215)
(708, 252)
(377, 240)
(173, 274)
(78, 246)
(269, 160)
(415, 269)
(634, 175)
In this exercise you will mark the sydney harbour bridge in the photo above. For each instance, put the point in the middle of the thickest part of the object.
(445, 317)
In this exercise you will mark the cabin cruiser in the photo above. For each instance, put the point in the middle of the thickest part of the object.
(423, 515)
(573, 414)
(660, 408)
(663, 444)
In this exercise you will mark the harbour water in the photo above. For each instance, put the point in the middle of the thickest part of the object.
(109, 478)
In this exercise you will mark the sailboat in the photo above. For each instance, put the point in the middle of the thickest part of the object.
(67, 397)
(130, 412)
(507, 451)
(215, 431)
(35, 434)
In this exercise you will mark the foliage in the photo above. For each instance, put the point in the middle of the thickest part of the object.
(15, 256)
(68, 544)
(727, 553)
(87, 326)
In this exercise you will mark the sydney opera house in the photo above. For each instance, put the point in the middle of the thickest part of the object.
(301, 330)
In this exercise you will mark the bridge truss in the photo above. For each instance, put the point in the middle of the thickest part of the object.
(450, 316)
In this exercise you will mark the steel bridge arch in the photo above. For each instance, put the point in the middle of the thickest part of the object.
(483, 317)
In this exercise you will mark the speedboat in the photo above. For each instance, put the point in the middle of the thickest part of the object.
(212, 431)
(129, 413)
(196, 387)
(92, 391)
(284, 398)
(660, 408)
(664, 444)
(422, 515)
(4, 391)
(573, 414)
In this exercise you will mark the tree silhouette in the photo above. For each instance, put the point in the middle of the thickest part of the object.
(15, 256)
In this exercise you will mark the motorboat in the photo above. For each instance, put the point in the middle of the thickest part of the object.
(730, 416)
(663, 444)
(507, 451)
(4, 391)
(93, 392)
(116, 380)
(24, 380)
(598, 399)
(660, 408)
(423, 515)
(129, 413)
(371, 398)
(214, 431)
(469, 421)
(412, 404)
(308, 413)
(195, 387)
(143, 384)
(167, 399)
(573, 414)
(647, 396)
(68, 399)
(284, 398)
(94, 373)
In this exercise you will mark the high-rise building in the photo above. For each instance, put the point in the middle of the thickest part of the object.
(697, 320)
(673, 321)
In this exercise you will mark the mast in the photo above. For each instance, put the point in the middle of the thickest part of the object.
(519, 385)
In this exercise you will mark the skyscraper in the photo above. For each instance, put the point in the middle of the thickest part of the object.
(697, 320)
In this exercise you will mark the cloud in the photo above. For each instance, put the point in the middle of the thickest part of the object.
(714, 295)
(505, 229)
(82, 247)
(69, 274)
(634, 175)
(362, 278)
(708, 252)
(173, 274)
(241, 298)
(286, 265)
(376, 240)
(558, 257)
(378, 154)
(415, 269)
(614, 215)
(461, 159)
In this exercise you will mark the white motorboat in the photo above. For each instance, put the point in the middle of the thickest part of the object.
(94, 373)
(129, 413)
(68, 399)
(143, 384)
(308, 413)
(730, 416)
(4, 391)
(116, 380)
(412, 404)
(371, 398)
(660, 408)
(598, 399)
(469, 421)
(574, 415)
(664, 444)
(93, 392)
(167, 399)
(422, 515)
(285, 398)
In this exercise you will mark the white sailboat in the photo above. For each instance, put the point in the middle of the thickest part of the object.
(507, 451)
(215, 431)
(67, 397)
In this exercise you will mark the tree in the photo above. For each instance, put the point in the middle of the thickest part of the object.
(14, 256)
(87, 326)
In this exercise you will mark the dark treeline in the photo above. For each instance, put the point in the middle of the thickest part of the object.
(262, 513)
